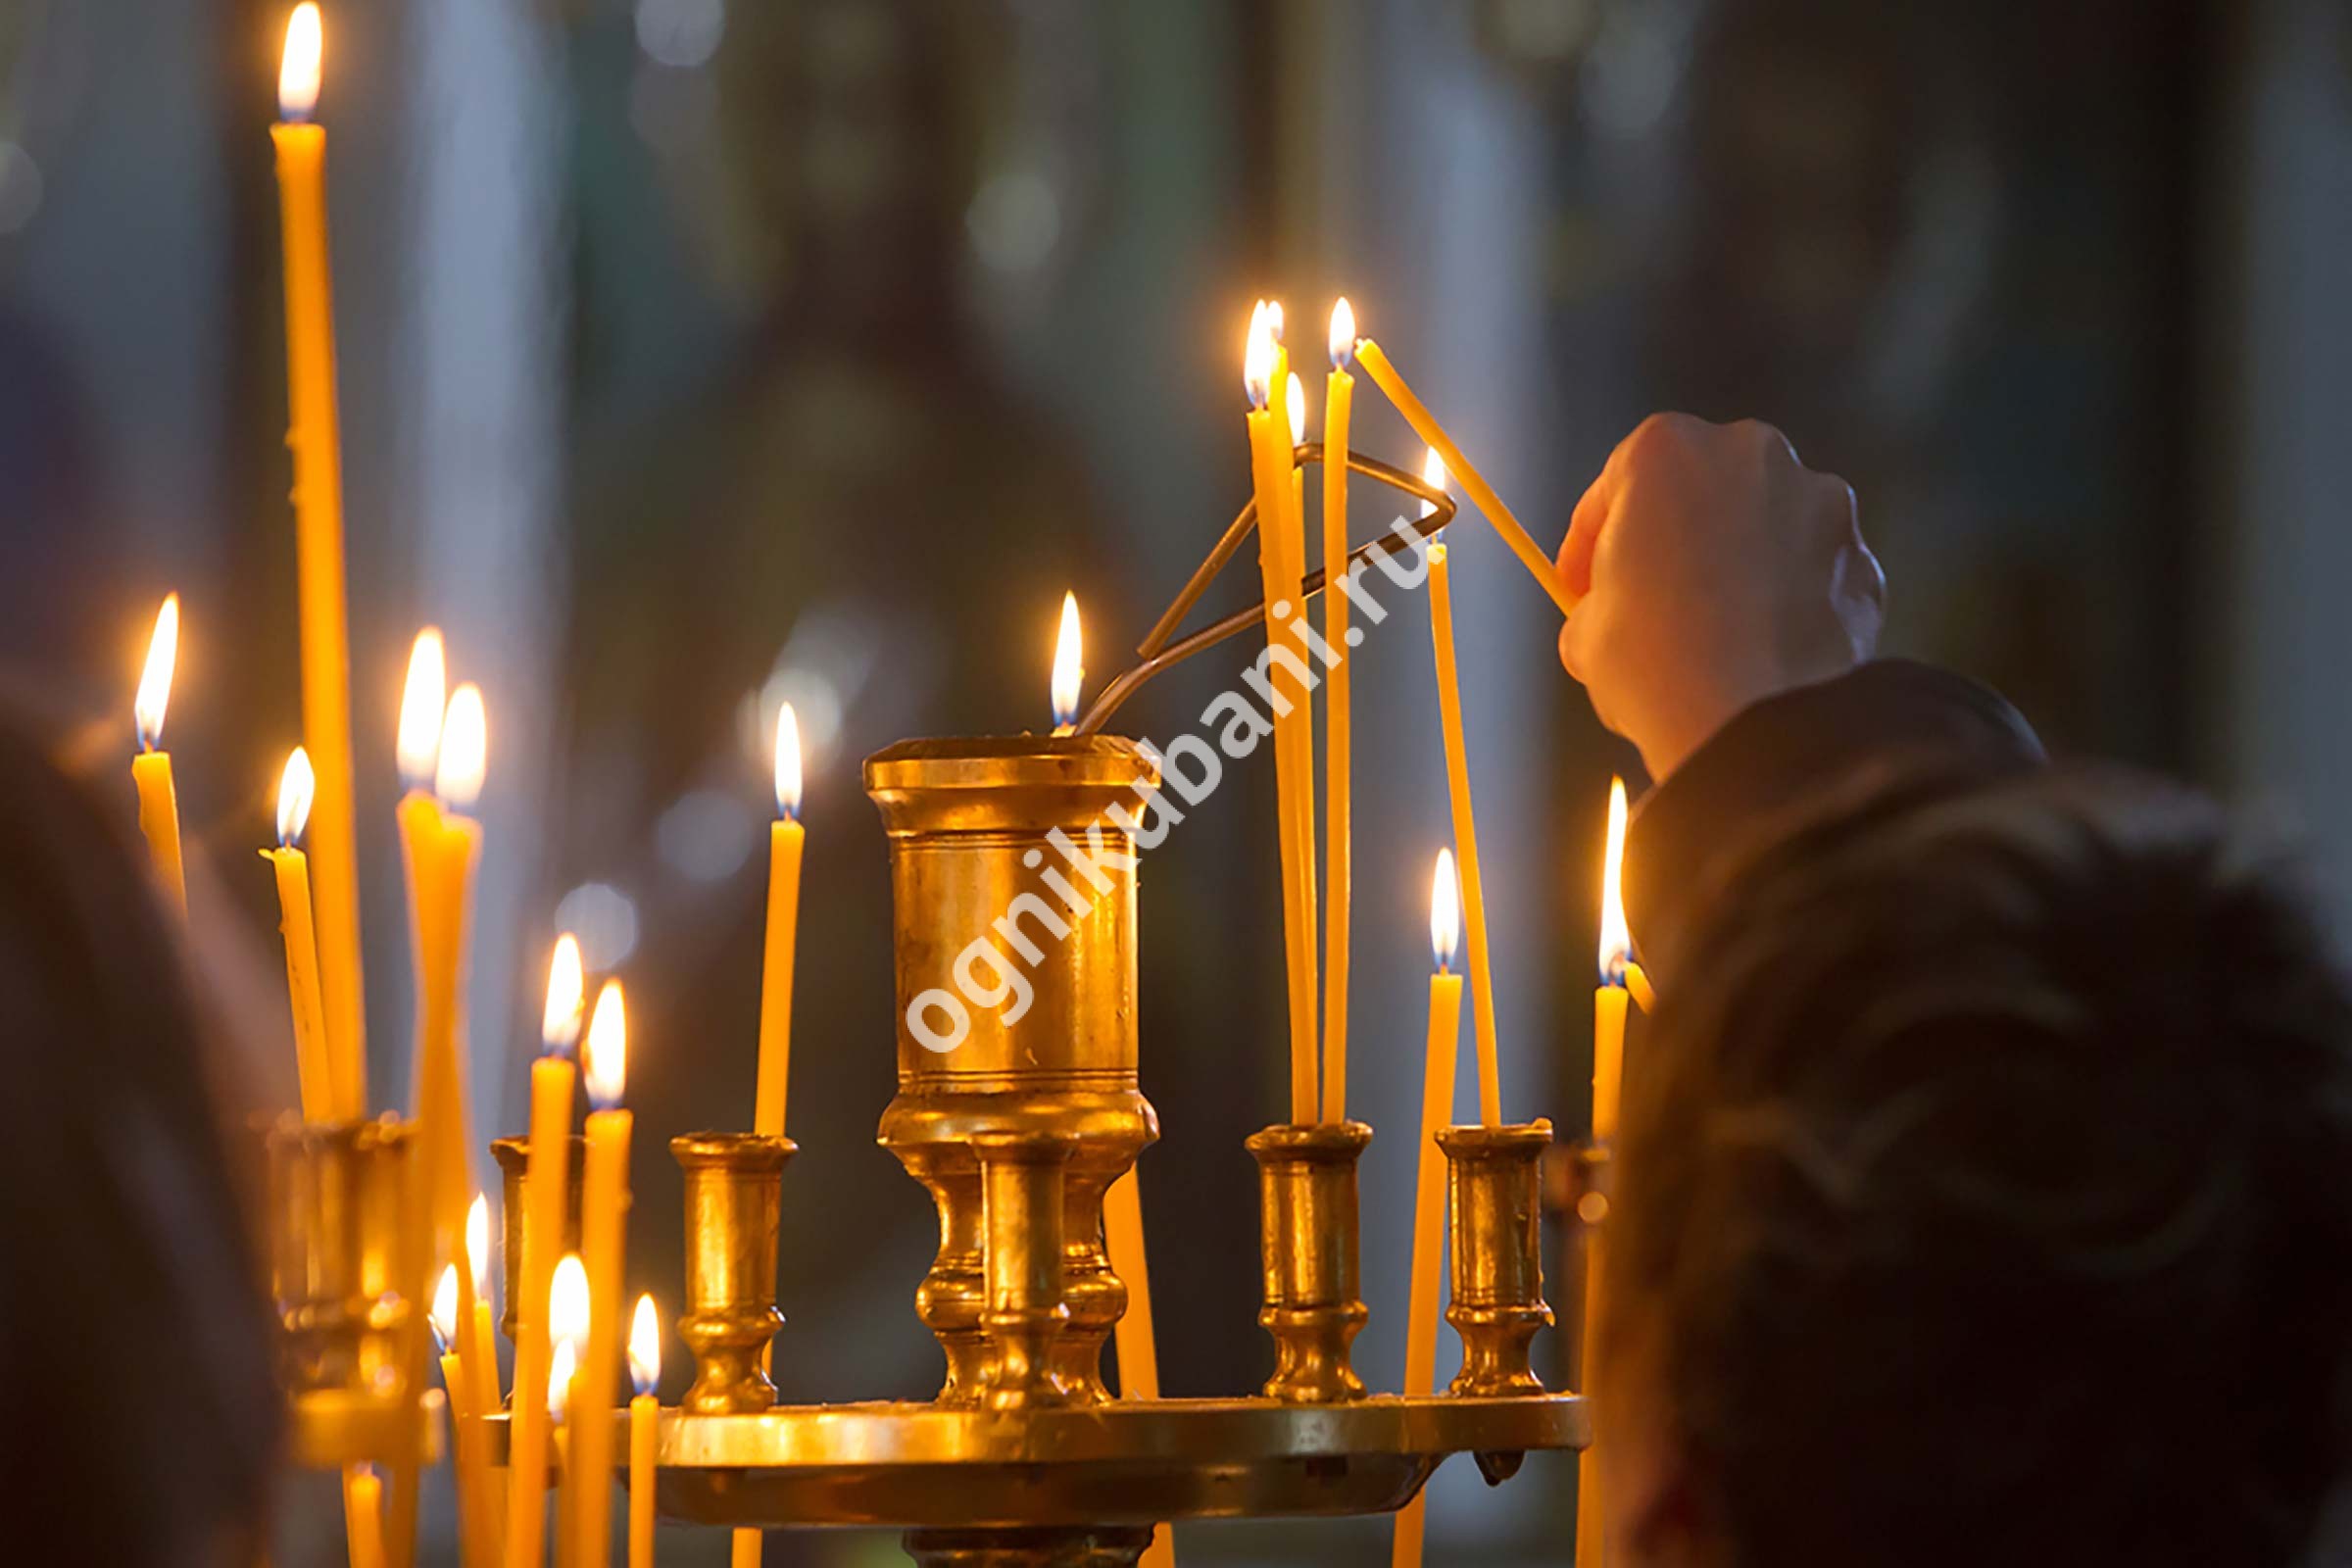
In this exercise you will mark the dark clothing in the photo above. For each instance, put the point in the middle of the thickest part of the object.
(1778, 762)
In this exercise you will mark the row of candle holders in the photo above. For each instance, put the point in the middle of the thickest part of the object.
(1044, 1300)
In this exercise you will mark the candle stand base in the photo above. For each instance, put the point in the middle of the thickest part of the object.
(1495, 1204)
(1308, 1227)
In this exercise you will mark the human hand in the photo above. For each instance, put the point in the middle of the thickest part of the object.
(1717, 570)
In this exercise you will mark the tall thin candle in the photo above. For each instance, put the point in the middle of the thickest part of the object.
(545, 1177)
(314, 433)
(293, 873)
(151, 770)
(603, 1233)
(1609, 1078)
(1429, 1180)
(645, 1414)
(1465, 833)
(1339, 403)
(784, 842)
(1481, 494)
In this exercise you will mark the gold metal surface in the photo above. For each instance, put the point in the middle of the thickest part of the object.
(1021, 1215)
(1307, 1246)
(514, 1157)
(329, 1428)
(1126, 1463)
(337, 1273)
(734, 1202)
(1495, 1201)
(973, 828)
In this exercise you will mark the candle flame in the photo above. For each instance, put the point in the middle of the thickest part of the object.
(298, 66)
(1616, 944)
(477, 1245)
(1433, 474)
(1258, 357)
(560, 1367)
(560, 1022)
(1343, 333)
(295, 788)
(1444, 912)
(445, 1307)
(1274, 319)
(645, 1346)
(1069, 665)
(567, 1302)
(605, 1059)
(1293, 403)
(155, 681)
(465, 758)
(788, 762)
(422, 697)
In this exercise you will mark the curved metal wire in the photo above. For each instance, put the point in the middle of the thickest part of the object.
(1158, 652)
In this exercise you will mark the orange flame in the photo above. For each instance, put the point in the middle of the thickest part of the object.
(1616, 942)
(645, 1346)
(295, 788)
(1069, 665)
(298, 66)
(1444, 912)
(606, 1060)
(155, 681)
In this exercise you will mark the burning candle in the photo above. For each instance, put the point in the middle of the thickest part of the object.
(423, 708)
(315, 436)
(293, 871)
(645, 1412)
(466, 1409)
(1465, 826)
(542, 1232)
(1608, 1077)
(1481, 495)
(1339, 871)
(151, 770)
(1429, 1184)
(1270, 472)
(570, 1321)
(1069, 668)
(783, 929)
(603, 1217)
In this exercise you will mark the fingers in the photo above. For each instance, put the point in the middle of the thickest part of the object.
(1649, 442)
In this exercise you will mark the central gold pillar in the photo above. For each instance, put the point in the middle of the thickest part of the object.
(1014, 897)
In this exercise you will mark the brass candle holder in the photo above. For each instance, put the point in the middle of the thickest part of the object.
(514, 1157)
(978, 830)
(734, 1203)
(336, 1195)
(1021, 1209)
(1495, 1204)
(1308, 1245)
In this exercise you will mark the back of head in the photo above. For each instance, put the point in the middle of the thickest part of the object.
(133, 1338)
(1986, 1191)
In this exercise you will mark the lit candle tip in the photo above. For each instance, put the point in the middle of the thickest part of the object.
(298, 66)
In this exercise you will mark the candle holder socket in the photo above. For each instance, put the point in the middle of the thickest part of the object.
(1495, 1204)
(337, 1197)
(1027, 1312)
(1308, 1245)
(514, 1157)
(734, 1203)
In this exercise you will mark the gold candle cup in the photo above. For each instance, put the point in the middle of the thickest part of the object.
(1495, 1206)
(734, 1205)
(1021, 1217)
(1308, 1246)
(338, 1273)
(514, 1157)
(978, 827)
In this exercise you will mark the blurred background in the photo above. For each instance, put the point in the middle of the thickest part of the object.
(702, 355)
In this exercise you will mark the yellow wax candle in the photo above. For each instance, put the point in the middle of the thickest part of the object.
(645, 1414)
(1481, 495)
(364, 1516)
(1299, 736)
(315, 436)
(479, 1350)
(1139, 1351)
(604, 1220)
(1271, 474)
(783, 931)
(1465, 833)
(442, 880)
(292, 868)
(151, 770)
(1339, 871)
(466, 1409)
(1609, 1001)
(571, 1320)
(542, 1232)
(1429, 1180)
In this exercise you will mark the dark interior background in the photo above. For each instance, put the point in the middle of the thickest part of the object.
(699, 355)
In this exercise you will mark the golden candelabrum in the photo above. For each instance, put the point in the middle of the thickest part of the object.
(1024, 1456)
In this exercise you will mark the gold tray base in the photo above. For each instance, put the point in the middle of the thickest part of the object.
(919, 1466)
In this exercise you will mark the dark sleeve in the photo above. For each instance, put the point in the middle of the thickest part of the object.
(1888, 721)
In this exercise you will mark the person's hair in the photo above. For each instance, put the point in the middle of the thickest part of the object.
(134, 1344)
(1986, 1191)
